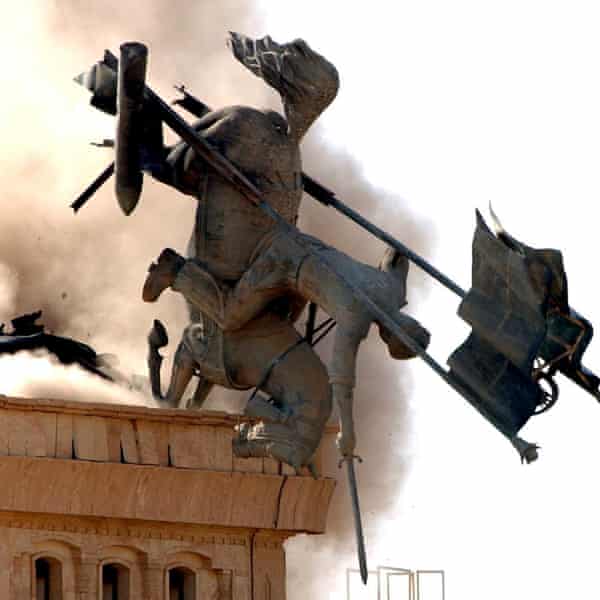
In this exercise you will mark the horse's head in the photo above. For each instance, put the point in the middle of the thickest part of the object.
(306, 81)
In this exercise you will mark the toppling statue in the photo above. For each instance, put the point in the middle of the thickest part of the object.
(246, 280)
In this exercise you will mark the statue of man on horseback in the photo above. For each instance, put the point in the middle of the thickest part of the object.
(249, 272)
(246, 279)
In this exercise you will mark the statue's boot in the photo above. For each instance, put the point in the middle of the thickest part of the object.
(193, 280)
(398, 348)
(162, 274)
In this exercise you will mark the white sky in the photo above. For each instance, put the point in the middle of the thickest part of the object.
(451, 105)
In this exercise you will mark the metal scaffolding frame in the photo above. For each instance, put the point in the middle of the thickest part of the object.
(385, 575)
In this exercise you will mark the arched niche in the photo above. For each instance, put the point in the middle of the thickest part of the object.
(190, 576)
(53, 566)
(120, 573)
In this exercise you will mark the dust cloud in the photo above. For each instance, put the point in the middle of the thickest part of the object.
(39, 375)
(86, 271)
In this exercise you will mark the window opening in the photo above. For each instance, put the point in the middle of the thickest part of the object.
(48, 579)
(182, 584)
(115, 582)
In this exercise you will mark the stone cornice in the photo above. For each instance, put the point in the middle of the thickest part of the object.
(121, 411)
(79, 488)
(186, 417)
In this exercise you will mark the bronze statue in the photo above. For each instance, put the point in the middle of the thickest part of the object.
(245, 275)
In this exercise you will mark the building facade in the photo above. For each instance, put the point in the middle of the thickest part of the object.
(108, 502)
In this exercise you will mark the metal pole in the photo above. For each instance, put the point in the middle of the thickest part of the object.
(360, 539)
(327, 197)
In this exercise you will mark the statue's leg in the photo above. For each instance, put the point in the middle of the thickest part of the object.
(300, 395)
(386, 287)
(286, 266)
(266, 280)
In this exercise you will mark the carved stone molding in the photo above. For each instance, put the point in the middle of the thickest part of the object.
(193, 534)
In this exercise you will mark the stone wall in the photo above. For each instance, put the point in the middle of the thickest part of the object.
(88, 490)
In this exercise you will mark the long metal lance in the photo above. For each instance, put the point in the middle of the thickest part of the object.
(328, 198)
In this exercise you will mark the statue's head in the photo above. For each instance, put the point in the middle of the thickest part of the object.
(306, 81)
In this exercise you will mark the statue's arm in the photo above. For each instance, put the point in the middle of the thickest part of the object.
(343, 396)
(180, 166)
(342, 373)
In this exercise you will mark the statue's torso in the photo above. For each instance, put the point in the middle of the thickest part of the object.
(228, 227)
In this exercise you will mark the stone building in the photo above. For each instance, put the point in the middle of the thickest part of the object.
(107, 502)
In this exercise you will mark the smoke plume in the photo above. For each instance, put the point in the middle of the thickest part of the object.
(85, 271)
(39, 375)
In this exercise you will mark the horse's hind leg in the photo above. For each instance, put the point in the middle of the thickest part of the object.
(299, 389)
(183, 370)
(200, 395)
